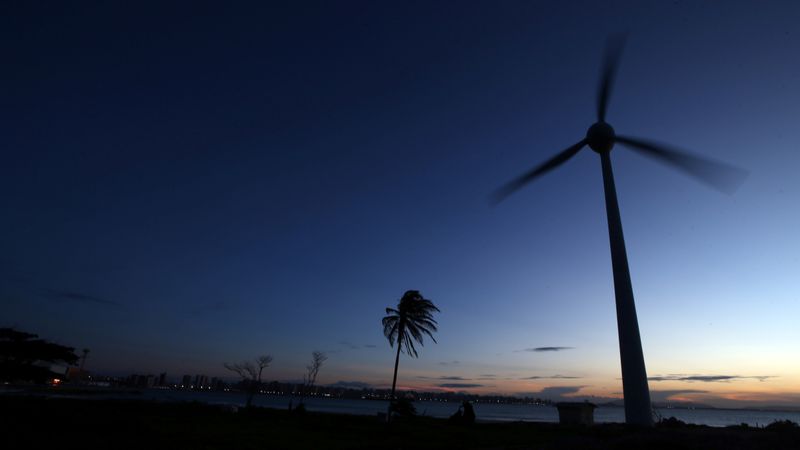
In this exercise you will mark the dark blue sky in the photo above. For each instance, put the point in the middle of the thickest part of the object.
(188, 184)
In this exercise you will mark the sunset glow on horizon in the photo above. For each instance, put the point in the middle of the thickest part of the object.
(185, 187)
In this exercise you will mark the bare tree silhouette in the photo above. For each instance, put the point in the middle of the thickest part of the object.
(310, 377)
(250, 374)
(407, 324)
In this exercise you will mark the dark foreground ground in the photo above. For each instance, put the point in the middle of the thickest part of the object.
(58, 423)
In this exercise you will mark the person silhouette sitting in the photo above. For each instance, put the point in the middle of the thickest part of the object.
(458, 417)
(468, 416)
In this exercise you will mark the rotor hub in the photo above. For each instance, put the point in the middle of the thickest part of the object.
(600, 137)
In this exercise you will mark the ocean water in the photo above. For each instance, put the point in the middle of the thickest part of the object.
(483, 411)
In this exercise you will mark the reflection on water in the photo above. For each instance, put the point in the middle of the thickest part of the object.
(484, 411)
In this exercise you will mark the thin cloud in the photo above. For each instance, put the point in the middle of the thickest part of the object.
(555, 392)
(77, 297)
(460, 385)
(551, 377)
(449, 363)
(547, 349)
(451, 378)
(349, 345)
(351, 385)
(708, 378)
(667, 395)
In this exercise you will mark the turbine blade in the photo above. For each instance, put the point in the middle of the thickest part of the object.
(512, 186)
(721, 176)
(614, 46)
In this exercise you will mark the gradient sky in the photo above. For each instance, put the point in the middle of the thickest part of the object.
(191, 184)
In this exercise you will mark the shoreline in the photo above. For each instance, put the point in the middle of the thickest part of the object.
(40, 422)
(486, 412)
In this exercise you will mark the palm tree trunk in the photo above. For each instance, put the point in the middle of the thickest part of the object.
(394, 379)
(396, 362)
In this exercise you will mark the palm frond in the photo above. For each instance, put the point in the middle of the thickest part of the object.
(410, 322)
(408, 342)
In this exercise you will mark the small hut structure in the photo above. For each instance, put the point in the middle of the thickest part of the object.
(576, 413)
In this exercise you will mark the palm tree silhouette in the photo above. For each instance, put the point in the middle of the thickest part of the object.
(406, 324)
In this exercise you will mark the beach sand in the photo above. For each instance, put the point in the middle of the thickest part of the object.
(64, 423)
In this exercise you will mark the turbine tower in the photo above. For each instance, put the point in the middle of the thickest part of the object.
(601, 138)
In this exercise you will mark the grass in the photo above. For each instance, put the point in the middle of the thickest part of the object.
(32, 422)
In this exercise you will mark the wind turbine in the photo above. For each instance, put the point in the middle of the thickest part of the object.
(601, 138)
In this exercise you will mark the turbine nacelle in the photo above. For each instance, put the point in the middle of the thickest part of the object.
(600, 137)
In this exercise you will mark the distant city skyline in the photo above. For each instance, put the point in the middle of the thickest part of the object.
(185, 186)
(202, 382)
